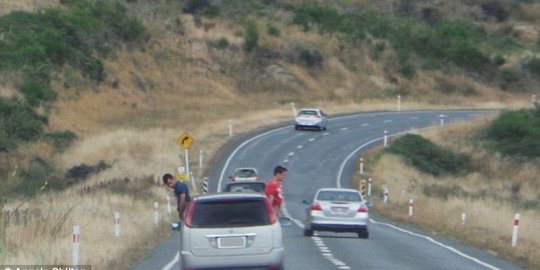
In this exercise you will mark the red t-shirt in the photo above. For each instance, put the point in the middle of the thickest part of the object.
(273, 188)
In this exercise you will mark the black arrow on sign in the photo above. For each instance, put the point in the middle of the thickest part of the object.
(184, 140)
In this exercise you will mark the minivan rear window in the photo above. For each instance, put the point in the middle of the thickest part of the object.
(230, 213)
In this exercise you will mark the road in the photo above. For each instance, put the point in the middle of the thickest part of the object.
(327, 159)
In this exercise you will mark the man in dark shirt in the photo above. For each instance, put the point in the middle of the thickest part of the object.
(181, 192)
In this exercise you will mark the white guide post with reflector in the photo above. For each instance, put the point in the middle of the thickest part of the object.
(75, 250)
(463, 218)
(442, 119)
(116, 224)
(156, 213)
(411, 206)
(369, 187)
(168, 204)
(385, 138)
(516, 230)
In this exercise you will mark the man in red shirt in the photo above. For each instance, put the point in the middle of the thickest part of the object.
(274, 188)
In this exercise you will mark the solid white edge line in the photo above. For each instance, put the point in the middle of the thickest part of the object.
(172, 262)
(452, 249)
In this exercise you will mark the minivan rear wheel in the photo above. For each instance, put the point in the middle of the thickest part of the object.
(364, 234)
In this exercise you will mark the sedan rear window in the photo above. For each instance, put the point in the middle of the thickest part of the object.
(308, 113)
(339, 196)
(230, 213)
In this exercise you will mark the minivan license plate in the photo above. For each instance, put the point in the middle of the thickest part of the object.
(231, 242)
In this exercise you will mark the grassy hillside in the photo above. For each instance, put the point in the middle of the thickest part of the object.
(106, 101)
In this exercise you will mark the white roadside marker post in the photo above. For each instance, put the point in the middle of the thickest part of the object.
(361, 166)
(516, 230)
(369, 187)
(385, 138)
(442, 119)
(411, 205)
(116, 225)
(399, 103)
(463, 218)
(75, 249)
(156, 213)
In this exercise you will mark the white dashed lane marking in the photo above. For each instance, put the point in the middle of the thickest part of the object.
(365, 124)
(327, 254)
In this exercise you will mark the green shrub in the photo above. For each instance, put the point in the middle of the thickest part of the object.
(19, 121)
(532, 65)
(272, 30)
(36, 92)
(223, 43)
(196, 6)
(310, 57)
(82, 171)
(35, 178)
(61, 140)
(407, 70)
(251, 36)
(428, 157)
(514, 133)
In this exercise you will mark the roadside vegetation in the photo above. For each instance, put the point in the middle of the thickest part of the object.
(488, 171)
(94, 93)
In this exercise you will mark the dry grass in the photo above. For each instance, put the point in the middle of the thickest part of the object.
(495, 192)
(39, 231)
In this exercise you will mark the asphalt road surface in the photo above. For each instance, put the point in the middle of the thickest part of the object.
(318, 159)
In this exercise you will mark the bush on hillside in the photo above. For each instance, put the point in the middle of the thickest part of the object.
(428, 157)
(19, 122)
(514, 133)
(532, 65)
(251, 36)
(38, 176)
(61, 140)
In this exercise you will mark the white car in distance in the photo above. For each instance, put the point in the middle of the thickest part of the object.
(311, 118)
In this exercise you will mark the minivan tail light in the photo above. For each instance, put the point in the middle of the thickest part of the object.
(272, 217)
(315, 207)
(189, 215)
(362, 209)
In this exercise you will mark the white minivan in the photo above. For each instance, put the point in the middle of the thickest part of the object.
(231, 231)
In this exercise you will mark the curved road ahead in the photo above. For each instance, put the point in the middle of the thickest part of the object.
(326, 159)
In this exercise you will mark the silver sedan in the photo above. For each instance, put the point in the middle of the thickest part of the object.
(337, 210)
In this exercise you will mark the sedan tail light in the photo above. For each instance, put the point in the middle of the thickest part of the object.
(363, 209)
(315, 207)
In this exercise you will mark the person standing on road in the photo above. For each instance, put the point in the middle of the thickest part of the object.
(181, 192)
(274, 188)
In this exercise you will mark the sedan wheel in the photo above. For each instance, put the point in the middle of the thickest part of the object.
(308, 232)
